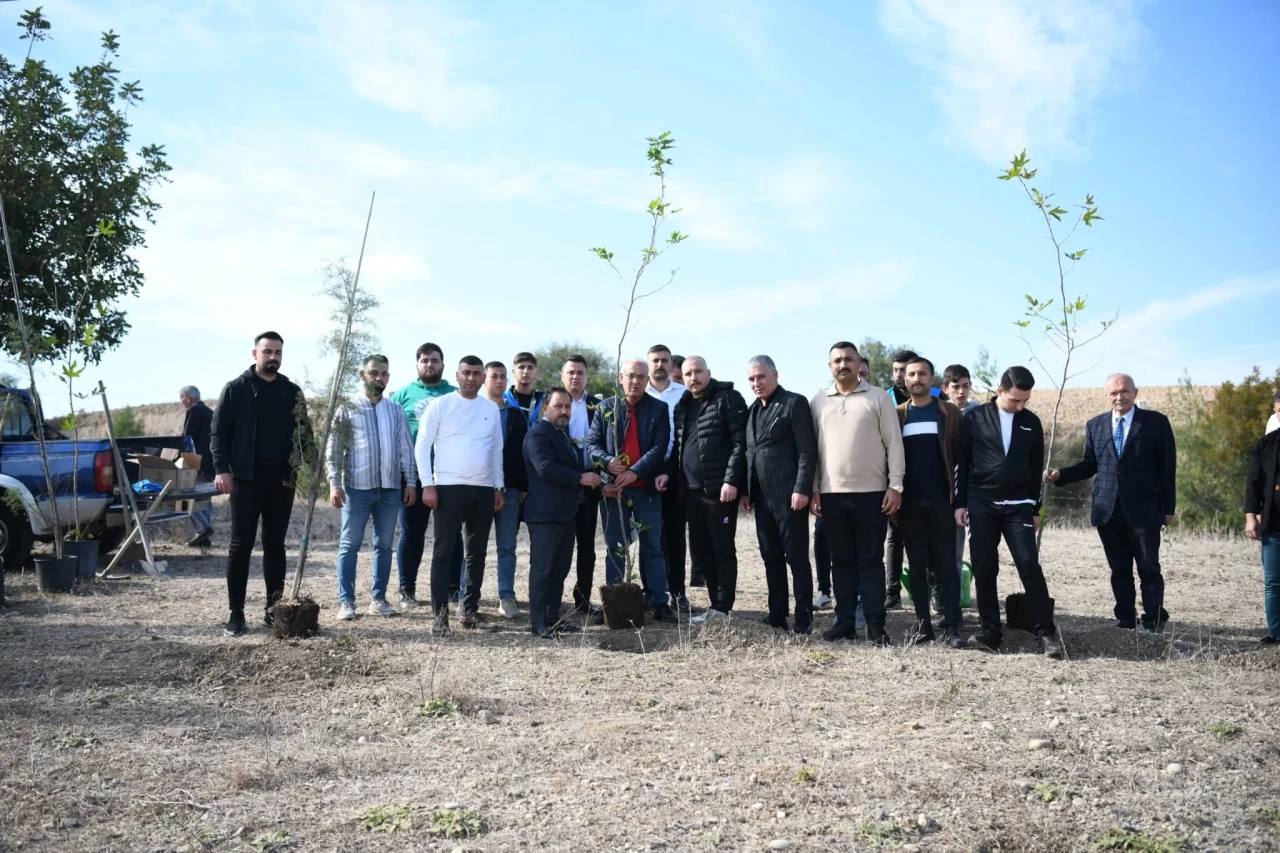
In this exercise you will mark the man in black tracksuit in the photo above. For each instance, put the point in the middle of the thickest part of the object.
(710, 453)
(998, 494)
(253, 446)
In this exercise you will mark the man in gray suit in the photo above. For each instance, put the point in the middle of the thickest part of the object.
(781, 450)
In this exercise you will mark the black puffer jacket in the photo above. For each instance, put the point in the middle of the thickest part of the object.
(722, 436)
(233, 440)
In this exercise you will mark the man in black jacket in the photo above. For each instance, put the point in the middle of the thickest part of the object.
(259, 430)
(998, 494)
(1131, 455)
(1262, 522)
(557, 487)
(710, 452)
(781, 450)
(506, 524)
(198, 426)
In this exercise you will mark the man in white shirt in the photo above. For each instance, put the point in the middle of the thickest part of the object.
(582, 413)
(463, 483)
(663, 385)
(1273, 422)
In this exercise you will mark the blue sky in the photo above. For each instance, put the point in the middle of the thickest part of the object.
(835, 169)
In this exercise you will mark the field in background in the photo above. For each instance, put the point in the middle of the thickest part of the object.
(1078, 405)
(131, 724)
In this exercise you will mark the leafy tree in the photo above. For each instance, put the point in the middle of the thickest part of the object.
(126, 423)
(65, 173)
(600, 378)
(985, 373)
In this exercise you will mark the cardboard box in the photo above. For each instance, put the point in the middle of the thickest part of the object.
(181, 470)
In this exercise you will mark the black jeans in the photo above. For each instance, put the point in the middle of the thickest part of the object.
(855, 529)
(821, 557)
(988, 522)
(1124, 546)
(268, 496)
(893, 563)
(585, 537)
(712, 528)
(467, 510)
(783, 534)
(673, 541)
(413, 537)
(928, 529)
(550, 555)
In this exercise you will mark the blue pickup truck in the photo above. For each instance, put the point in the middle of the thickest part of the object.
(93, 482)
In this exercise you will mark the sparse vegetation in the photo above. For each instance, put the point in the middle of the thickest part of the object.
(820, 657)
(879, 833)
(1270, 815)
(1046, 792)
(441, 706)
(646, 702)
(127, 424)
(1226, 731)
(456, 823)
(1139, 842)
(805, 775)
(952, 690)
(386, 818)
(275, 841)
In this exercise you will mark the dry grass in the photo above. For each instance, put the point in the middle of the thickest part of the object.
(130, 723)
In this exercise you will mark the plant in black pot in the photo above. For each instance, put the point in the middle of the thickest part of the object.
(623, 602)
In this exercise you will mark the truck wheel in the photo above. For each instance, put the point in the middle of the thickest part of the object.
(15, 538)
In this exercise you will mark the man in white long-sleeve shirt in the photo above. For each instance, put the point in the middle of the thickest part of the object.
(463, 484)
(369, 456)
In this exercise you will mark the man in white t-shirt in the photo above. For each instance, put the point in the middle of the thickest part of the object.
(463, 483)
(1273, 422)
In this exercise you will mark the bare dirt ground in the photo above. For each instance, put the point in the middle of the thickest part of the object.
(129, 723)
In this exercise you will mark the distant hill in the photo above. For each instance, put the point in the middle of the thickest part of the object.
(1078, 405)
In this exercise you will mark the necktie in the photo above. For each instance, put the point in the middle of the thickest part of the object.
(1118, 436)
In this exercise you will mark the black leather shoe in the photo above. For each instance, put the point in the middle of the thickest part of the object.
(1269, 640)
(696, 579)
(663, 613)
(879, 638)
(893, 602)
(200, 540)
(563, 627)
(235, 625)
(773, 623)
(841, 631)
(1128, 626)
(803, 628)
(983, 643)
(1052, 647)
(542, 633)
(953, 639)
(595, 617)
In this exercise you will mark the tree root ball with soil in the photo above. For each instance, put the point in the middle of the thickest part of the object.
(623, 605)
(299, 618)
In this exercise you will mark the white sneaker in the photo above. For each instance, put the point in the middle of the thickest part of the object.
(860, 621)
(821, 601)
(407, 602)
(707, 616)
(346, 611)
(379, 607)
(508, 608)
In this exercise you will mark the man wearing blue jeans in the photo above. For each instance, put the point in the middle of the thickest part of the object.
(1262, 523)
(368, 456)
(629, 442)
(506, 523)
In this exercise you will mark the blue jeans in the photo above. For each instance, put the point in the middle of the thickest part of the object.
(506, 526)
(1271, 582)
(645, 509)
(384, 506)
(202, 519)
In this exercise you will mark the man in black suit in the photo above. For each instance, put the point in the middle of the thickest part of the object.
(781, 451)
(556, 488)
(1131, 454)
(998, 495)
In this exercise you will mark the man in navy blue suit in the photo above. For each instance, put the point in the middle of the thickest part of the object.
(1131, 454)
(556, 482)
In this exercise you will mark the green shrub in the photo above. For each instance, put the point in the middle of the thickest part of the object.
(125, 423)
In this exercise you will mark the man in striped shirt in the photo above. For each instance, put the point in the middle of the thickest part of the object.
(368, 452)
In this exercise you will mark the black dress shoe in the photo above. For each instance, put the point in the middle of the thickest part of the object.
(893, 602)
(953, 639)
(595, 617)
(1269, 640)
(200, 540)
(542, 633)
(983, 643)
(879, 638)
(696, 579)
(803, 628)
(567, 628)
(841, 631)
(1052, 647)
(1128, 626)
(773, 623)
(663, 613)
(920, 639)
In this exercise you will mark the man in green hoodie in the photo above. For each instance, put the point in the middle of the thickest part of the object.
(415, 397)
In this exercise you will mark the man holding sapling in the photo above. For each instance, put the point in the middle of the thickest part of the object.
(259, 429)
(558, 486)
(857, 485)
(663, 385)
(583, 411)
(460, 464)
(506, 523)
(710, 453)
(369, 458)
(521, 395)
(414, 518)
(628, 442)
(998, 496)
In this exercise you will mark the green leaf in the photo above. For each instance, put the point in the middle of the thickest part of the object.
(106, 229)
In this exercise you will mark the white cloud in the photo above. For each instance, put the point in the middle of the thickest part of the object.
(404, 56)
(1012, 73)
(807, 189)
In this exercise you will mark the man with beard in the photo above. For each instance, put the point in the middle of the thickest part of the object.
(710, 453)
(583, 411)
(857, 485)
(506, 524)
(371, 475)
(459, 455)
(780, 457)
(259, 425)
(893, 545)
(415, 517)
(663, 385)
(557, 486)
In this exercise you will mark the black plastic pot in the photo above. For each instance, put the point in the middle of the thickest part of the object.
(54, 575)
(86, 552)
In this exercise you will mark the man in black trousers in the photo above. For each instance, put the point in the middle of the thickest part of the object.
(557, 487)
(259, 425)
(584, 408)
(710, 452)
(1131, 454)
(998, 494)
(781, 450)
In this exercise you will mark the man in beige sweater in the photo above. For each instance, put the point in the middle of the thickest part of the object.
(857, 485)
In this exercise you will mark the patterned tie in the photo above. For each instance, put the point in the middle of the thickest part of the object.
(1118, 436)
